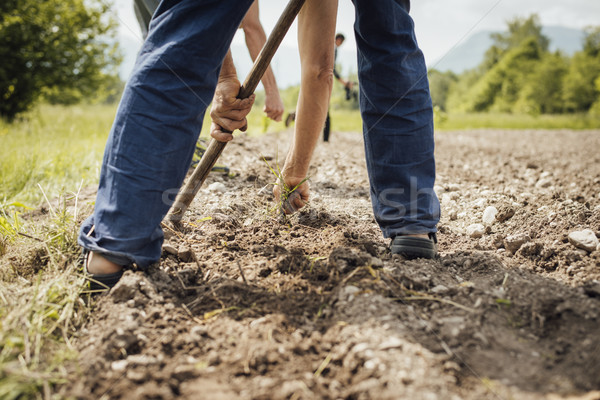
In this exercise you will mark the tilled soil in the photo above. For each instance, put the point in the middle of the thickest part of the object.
(246, 304)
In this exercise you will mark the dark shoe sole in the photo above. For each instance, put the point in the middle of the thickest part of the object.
(414, 247)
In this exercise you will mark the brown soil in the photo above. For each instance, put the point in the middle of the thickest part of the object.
(247, 305)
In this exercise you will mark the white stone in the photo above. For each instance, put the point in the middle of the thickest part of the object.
(585, 239)
(119, 365)
(169, 248)
(480, 202)
(543, 183)
(438, 189)
(513, 243)
(453, 187)
(217, 187)
(489, 215)
(475, 230)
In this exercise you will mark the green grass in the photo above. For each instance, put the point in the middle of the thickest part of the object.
(40, 311)
(57, 148)
(54, 147)
(515, 121)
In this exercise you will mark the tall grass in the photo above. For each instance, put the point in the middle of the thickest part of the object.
(54, 147)
(41, 311)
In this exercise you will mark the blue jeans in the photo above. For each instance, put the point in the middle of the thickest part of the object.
(151, 143)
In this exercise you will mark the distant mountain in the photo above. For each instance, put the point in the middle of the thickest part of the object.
(469, 54)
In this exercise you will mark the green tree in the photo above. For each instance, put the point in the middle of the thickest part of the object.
(591, 42)
(580, 91)
(498, 89)
(542, 91)
(519, 30)
(53, 45)
(439, 86)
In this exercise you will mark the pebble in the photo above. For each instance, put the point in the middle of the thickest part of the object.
(475, 230)
(119, 365)
(453, 187)
(440, 289)
(169, 248)
(185, 254)
(480, 202)
(585, 239)
(453, 215)
(513, 243)
(489, 215)
(438, 189)
(217, 187)
(543, 183)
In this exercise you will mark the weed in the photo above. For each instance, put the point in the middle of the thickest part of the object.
(41, 314)
(286, 191)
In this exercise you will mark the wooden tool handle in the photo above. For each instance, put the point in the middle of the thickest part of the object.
(215, 148)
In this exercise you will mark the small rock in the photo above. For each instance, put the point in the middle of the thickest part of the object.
(169, 249)
(585, 239)
(544, 183)
(505, 213)
(391, 343)
(376, 262)
(453, 187)
(475, 230)
(480, 202)
(440, 289)
(438, 189)
(513, 243)
(185, 254)
(489, 215)
(217, 187)
(119, 365)
(453, 215)
(350, 290)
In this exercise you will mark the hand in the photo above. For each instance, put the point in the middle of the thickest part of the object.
(228, 112)
(298, 198)
(273, 106)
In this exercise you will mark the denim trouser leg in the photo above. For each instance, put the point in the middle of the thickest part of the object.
(397, 118)
(158, 121)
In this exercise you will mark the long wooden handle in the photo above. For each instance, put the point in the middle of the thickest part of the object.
(215, 148)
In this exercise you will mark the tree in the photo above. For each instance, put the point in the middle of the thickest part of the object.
(519, 30)
(542, 91)
(580, 91)
(439, 85)
(53, 45)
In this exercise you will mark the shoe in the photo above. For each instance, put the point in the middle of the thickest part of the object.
(411, 247)
(99, 282)
(290, 117)
(199, 152)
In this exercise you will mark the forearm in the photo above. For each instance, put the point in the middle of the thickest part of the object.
(255, 40)
(316, 57)
(228, 71)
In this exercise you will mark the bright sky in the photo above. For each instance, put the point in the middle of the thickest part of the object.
(440, 24)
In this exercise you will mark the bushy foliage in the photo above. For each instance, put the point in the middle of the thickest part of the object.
(519, 74)
(54, 46)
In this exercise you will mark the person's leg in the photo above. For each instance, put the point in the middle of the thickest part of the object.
(397, 119)
(158, 121)
(327, 128)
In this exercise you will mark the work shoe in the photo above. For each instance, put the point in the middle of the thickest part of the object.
(290, 118)
(99, 282)
(199, 152)
(411, 247)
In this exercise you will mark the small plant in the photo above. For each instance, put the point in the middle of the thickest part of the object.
(40, 313)
(286, 191)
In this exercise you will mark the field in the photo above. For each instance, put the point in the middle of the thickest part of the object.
(245, 304)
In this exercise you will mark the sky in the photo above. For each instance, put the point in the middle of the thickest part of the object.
(440, 25)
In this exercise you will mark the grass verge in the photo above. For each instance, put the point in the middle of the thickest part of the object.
(41, 303)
